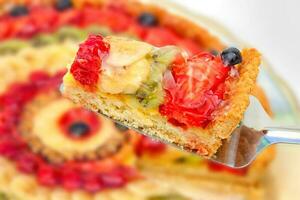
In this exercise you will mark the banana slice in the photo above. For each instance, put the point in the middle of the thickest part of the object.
(132, 78)
(125, 51)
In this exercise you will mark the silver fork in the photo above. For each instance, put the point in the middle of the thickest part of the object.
(252, 136)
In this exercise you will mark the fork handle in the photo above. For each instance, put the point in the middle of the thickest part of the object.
(290, 135)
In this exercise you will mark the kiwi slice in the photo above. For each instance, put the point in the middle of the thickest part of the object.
(12, 46)
(150, 94)
(43, 39)
(70, 32)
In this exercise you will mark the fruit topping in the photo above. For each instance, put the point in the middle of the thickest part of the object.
(150, 94)
(160, 36)
(79, 123)
(190, 90)
(19, 10)
(63, 4)
(125, 51)
(231, 56)
(79, 129)
(126, 66)
(87, 65)
(147, 19)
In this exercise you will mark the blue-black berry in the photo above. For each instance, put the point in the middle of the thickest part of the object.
(231, 56)
(19, 10)
(147, 19)
(63, 4)
(79, 129)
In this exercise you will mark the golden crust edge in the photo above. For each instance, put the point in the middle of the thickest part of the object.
(240, 91)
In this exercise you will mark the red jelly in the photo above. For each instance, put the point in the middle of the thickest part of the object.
(193, 90)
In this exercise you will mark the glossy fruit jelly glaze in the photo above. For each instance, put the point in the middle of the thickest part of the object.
(48, 19)
(89, 175)
(194, 89)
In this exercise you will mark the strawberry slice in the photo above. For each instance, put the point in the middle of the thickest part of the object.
(191, 88)
(116, 20)
(160, 36)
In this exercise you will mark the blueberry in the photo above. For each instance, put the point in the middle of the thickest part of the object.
(147, 19)
(79, 129)
(63, 4)
(19, 10)
(120, 127)
(231, 56)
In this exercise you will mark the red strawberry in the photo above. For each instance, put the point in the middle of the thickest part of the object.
(160, 36)
(190, 46)
(190, 90)
(44, 19)
(92, 182)
(69, 16)
(113, 18)
(5, 27)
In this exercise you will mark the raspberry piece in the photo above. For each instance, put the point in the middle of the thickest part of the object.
(71, 179)
(92, 183)
(87, 64)
(27, 162)
(47, 175)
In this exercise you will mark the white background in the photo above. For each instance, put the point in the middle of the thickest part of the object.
(272, 26)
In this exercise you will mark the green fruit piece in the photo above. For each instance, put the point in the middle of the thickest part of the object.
(43, 39)
(102, 30)
(12, 46)
(165, 55)
(71, 33)
(150, 94)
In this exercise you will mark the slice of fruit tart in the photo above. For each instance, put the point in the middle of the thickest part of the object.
(192, 101)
